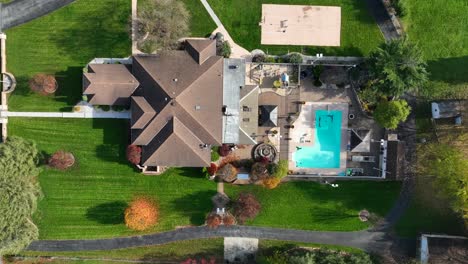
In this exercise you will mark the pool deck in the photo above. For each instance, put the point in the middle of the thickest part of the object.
(303, 135)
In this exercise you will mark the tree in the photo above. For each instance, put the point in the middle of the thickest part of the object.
(448, 167)
(213, 220)
(61, 160)
(397, 66)
(246, 207)
(134, 154)
(160, 25)
(271, 182)
(19, 194)
(279, 170)
(391, 113)
(141, 214)
(295, 58)
(43, 84)
(215, 153)
(228, 173)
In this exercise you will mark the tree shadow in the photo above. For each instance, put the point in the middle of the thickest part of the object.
(450, 70)
(111, 213)
(190, 172)
(99, 34)
(22, 86)
(196, 205)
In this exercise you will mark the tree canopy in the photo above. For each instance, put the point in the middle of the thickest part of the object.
(161, 23)
(20, 191)
(448, 167)
(397, 66)
(391, 113)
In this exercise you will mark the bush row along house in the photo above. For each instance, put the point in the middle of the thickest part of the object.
(182, 102)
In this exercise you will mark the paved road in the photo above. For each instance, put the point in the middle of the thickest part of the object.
(370, 241)
(22, 11)
(383, 20)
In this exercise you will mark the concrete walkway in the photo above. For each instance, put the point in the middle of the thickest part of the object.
(369, 241)
(94, 114)
(22, 11)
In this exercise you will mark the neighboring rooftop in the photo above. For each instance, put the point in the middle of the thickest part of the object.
(443, 249)
(449, 108)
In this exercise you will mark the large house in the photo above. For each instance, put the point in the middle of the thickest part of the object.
(182, 102)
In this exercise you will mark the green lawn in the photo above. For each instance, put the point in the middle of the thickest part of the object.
(439, 28)
(88, 200)
(62, 43)
(359, 32)
(309, 205)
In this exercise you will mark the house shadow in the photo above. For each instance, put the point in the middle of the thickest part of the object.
(450, 70)
(69, 87)
(195, 205)
(111, 213)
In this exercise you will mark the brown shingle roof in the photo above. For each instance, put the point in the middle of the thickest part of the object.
(109, 84)
(187, 100)
(142, 112)
(201, 49)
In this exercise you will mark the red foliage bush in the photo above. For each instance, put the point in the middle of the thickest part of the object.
(213, 220)
(228, 173)
(212, 260)
(246, 207)
(134, 154)
(43, 84)
(61, 160)
(212, 169)
(141, 214)
(225, 150)
(228, 220)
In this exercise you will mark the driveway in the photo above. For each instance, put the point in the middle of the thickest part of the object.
(21, 11)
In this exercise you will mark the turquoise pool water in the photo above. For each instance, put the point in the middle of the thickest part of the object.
(325, 153)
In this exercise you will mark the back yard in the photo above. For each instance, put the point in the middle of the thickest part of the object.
(439, 28)
(88, 200)
(359, 32)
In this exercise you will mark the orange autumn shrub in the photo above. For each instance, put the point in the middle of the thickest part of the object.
(141, 214)
(271, 183)
(229, 220)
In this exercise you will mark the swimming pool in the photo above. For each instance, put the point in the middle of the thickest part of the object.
(325, 153)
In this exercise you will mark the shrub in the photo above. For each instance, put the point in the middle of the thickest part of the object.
(213, 220)
(229, 220)
(390, 114)
(276, 84)
(134, 154)
(61, 160)
(270, 59)
(317, 71)
(226, 50)
(231, 159)
(295, 58)
(212, 169)
(279, 170)
(104, 108)
(259, 171)
(228, 173)
(215, 153)
(271, 183)
(141, 214)
(246, 207)
(119, 108)
(259, 58)
(225, 150)
(43, 84)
